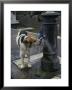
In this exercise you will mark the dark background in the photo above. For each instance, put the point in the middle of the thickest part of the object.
(31, 19)
(1, 32)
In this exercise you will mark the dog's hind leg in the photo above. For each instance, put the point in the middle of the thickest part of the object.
(22, 59)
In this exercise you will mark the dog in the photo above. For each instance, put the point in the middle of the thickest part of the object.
(25, 40)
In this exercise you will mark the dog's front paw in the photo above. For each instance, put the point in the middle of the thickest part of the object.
(22, 66)
(29, 65)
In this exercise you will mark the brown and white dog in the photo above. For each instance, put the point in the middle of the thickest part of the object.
(25, 40)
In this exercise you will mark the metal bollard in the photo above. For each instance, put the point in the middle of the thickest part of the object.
(50, 62)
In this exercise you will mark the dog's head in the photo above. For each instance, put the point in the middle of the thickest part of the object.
(30, 38)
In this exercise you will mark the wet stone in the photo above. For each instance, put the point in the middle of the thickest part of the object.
(35, 72)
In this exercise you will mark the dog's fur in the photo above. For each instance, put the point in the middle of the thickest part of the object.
(25, 40)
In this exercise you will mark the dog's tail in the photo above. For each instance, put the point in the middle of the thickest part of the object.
(17, 38)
